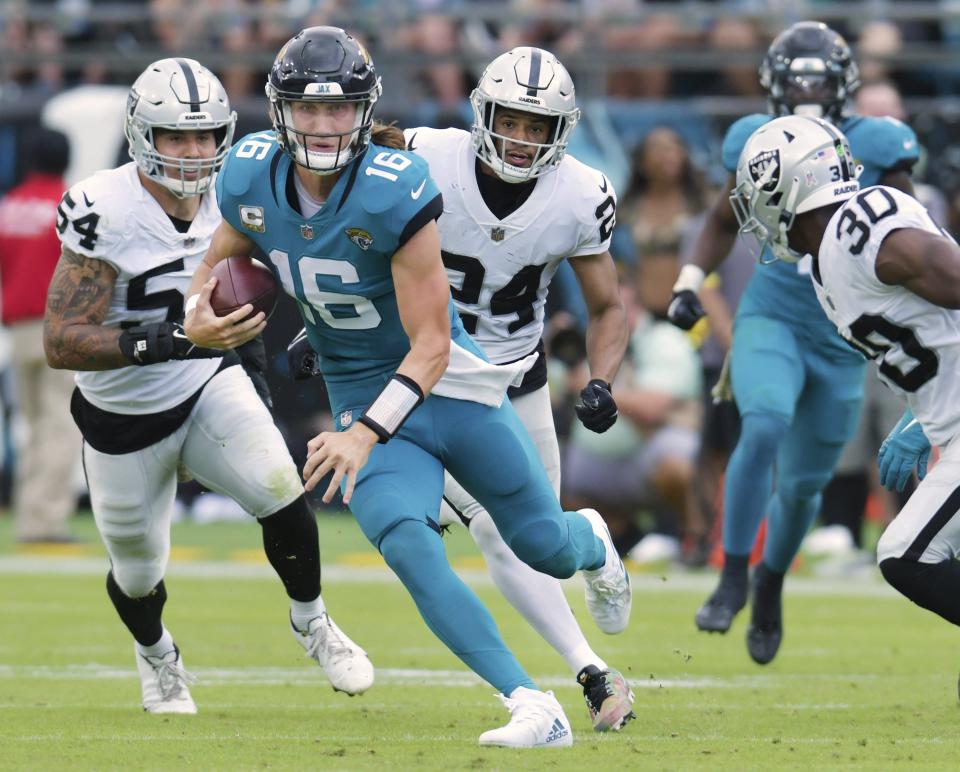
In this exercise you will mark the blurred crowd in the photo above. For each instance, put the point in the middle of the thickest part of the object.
(657, 474)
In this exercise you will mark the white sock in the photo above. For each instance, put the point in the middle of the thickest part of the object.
(162, 646)
(301, 612)
(538, 597)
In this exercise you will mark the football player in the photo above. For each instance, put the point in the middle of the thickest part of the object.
(515, 206)
(148, 402)
(796, 383)
(888, 278)
(346, 216)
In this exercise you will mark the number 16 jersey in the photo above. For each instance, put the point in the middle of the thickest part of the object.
(500, 270)
(916, 343)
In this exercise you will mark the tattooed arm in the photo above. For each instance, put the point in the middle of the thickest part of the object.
(77, 303)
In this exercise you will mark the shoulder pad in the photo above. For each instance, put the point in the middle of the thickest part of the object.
(249, 161)
(391, 179)
(737, 136)
(423, 140)
(882, 142)
(92, 214)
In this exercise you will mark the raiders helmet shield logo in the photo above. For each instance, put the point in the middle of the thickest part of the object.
(360, 237)
(307, 232)
(497, 234)
(766, 165)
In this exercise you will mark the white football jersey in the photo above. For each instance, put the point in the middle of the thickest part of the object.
(916, 343)
(499, 270)
(111, 217)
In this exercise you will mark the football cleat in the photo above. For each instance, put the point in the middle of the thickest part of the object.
(716, 615)
(608, 696)
(165, 683)
(346, 664)
(536, 721)
(766, 620)
(608, 592)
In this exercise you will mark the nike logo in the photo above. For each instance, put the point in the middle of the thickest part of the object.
(415, 194)
(410, 143)
(907, 145)
(180, 334)
(603, 187)
(86, 200)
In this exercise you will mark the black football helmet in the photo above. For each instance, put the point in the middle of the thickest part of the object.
(809, 70)
(322, 64)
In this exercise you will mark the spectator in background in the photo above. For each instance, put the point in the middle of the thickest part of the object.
(43, 499)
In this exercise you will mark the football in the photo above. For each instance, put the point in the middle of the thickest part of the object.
(242, 280)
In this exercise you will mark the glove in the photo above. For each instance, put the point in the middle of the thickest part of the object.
(685, 309)
(302, 361)
(904, 448)
(148, 344)
(596, 408)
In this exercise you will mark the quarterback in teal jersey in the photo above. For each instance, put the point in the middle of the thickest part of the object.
(796, 383)
(346, 219)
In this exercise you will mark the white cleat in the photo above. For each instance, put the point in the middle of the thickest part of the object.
(346, 664)
(536, 721)
(165, 683)
(608, 592)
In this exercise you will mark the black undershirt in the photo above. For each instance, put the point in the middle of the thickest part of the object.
(502, 198)
(182, 226)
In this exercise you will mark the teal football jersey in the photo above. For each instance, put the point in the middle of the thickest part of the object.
(784, 290)
(336, 264)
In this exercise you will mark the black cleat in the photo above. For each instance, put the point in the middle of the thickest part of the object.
(766, 616)
(716, 615)
(608, 696)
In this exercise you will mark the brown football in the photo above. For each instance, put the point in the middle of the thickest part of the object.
(242, 280)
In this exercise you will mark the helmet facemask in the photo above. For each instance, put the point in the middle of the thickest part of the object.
(530, 81)
(178, 95)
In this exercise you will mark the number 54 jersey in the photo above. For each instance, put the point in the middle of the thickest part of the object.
(500, 270)
(916, 343)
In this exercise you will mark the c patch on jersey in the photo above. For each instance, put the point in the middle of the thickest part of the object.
(252, 218)
(360, 237)
(759, 167)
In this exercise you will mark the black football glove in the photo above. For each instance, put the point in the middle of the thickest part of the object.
(685, 309)
(148, 344)
(302, 361)
(596, 408)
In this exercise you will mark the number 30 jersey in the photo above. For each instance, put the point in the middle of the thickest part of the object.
(500, 270)
(916, 343)
(110, 216)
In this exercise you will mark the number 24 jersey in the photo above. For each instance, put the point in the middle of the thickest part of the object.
(500, 270)
(916, 343)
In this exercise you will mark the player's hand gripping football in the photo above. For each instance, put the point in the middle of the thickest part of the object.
(904, 448)
(206, 329)
(597, 409)
(343, 453)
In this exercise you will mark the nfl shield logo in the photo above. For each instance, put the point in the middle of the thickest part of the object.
(346, 418)
(307, 232)
(497, 234)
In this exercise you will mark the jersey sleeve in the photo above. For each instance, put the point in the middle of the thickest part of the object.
(90, 220)
(250, 159)
(599, 214)
(883, 210)
(737, 136)
(400, 190)
(887, 144)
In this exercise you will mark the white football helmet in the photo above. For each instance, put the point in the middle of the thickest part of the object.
(789, 166)
(178, 95)
(530, 80)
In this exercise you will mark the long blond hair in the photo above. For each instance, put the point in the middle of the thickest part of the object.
(388, 135)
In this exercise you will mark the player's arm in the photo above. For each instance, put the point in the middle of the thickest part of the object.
(925, 263)
(201, 324)
(78, 299)
(713, 244)
(607, 336)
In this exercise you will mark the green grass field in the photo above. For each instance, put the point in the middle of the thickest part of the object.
(864, 679)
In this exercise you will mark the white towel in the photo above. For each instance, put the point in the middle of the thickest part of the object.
(468, 377)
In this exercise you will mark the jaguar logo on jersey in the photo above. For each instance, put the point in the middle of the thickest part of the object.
(498, 234)
(760, 168)
(360, 237)
(252, 218)
(307, 232)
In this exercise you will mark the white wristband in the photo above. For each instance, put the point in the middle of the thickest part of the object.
(691, 278)
(399, 398)
(191, 303)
